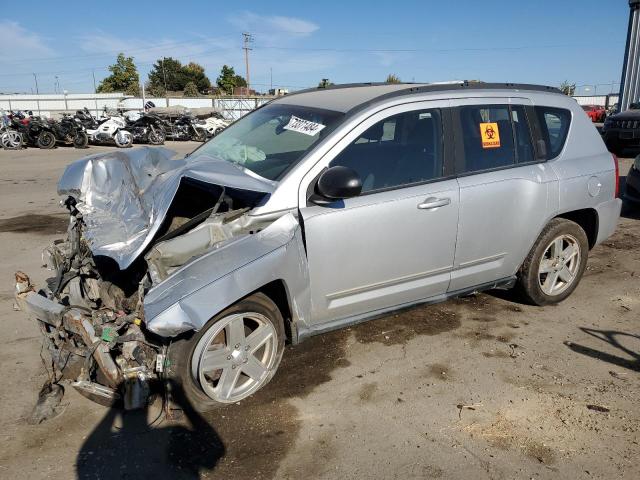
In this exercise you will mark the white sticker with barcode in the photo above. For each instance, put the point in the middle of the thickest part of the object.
(301, 125)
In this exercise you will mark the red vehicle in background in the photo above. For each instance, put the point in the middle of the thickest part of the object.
(596, 113)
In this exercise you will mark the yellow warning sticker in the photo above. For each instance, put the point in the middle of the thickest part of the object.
(490, 135)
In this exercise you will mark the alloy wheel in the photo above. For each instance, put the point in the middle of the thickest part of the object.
(234, 358)
(559, 265)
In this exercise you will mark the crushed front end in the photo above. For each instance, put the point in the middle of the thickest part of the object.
(135, 219)
(93, 328)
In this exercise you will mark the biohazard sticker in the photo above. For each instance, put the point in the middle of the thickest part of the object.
(490, 135)
(301, 125)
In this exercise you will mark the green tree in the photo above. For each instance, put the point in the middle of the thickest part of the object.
(227, 79)
(124, 77)
(167, 71)
(240, 81)
(568, 88)
(324, 83)
(393, 78)
(191, 90)
(194, 73)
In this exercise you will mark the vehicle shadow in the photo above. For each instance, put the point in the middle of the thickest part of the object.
(612, 337)
(126, 445)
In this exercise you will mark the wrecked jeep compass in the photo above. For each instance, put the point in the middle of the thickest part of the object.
(321, 209)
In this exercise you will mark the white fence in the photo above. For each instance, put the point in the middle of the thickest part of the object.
(49, 105)
(597, 99)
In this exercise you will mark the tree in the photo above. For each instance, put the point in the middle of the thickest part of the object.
(167, 73)
(124, 77)
(240, 81)
(228, 80)
(393, 78)
(568, 88)
(194, 73)
(324, 83)
(191, 90)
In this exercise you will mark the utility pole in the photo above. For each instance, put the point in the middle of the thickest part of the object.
(164, 74)
(248, 38)
(270, 78)
(37, 93)
(95, 90)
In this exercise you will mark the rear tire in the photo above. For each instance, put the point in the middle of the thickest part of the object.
(203, 386)
(555, 264)
(46, 140)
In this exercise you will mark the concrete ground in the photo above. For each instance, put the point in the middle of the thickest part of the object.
(482, 387)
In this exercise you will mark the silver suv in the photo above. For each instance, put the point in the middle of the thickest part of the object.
(321, 209)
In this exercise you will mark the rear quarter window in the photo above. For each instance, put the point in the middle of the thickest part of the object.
(554, 126)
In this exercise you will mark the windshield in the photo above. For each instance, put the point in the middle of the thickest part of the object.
(272, 139)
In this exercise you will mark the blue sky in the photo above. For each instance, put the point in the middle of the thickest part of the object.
(538, 41)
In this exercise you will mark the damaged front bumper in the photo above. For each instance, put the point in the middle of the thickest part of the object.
(84, 343)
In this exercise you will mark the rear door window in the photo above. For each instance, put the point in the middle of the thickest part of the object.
(554, 126)
(488, 139)
(494, 136)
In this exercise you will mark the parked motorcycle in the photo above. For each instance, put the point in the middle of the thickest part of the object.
(111, 129)
(214, 124)
(33, 131)
(147, 128)
(185, 127)
(70, 131)
(9, 138)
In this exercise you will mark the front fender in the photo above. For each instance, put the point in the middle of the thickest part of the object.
(190, 297)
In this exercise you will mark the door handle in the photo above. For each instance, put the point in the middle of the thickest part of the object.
(433, 202)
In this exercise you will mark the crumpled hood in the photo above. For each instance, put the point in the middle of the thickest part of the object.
(125, 195)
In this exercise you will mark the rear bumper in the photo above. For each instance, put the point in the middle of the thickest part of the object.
(608, 216)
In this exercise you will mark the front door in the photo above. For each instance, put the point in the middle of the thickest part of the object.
(394, 244)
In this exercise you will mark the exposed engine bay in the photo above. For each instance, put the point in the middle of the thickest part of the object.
(134, 221)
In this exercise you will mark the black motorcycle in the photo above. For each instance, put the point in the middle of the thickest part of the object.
(185, 127)
(34, 131)
(88, 121)
(70, 131)
(148, 128)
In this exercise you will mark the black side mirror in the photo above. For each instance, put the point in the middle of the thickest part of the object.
(337, 183)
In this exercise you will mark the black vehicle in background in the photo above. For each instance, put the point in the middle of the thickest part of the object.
(622, 130)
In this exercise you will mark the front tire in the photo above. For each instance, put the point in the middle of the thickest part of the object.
(81, 140)
(123, 139)
(46, 140)
(555, 264)
(233, 356)
(199, 135)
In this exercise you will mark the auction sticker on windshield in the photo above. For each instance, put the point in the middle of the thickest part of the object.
(490, 135)
(301, 125)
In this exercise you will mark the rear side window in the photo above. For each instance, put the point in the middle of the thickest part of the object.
(488, 137)
(400, 150)
(494, 136)
(554, 124)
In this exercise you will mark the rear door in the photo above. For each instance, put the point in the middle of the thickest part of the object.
(504, 189)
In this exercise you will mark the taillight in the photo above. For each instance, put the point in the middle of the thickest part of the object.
(617, 180)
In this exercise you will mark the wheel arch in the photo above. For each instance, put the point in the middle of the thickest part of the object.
(588, 220)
